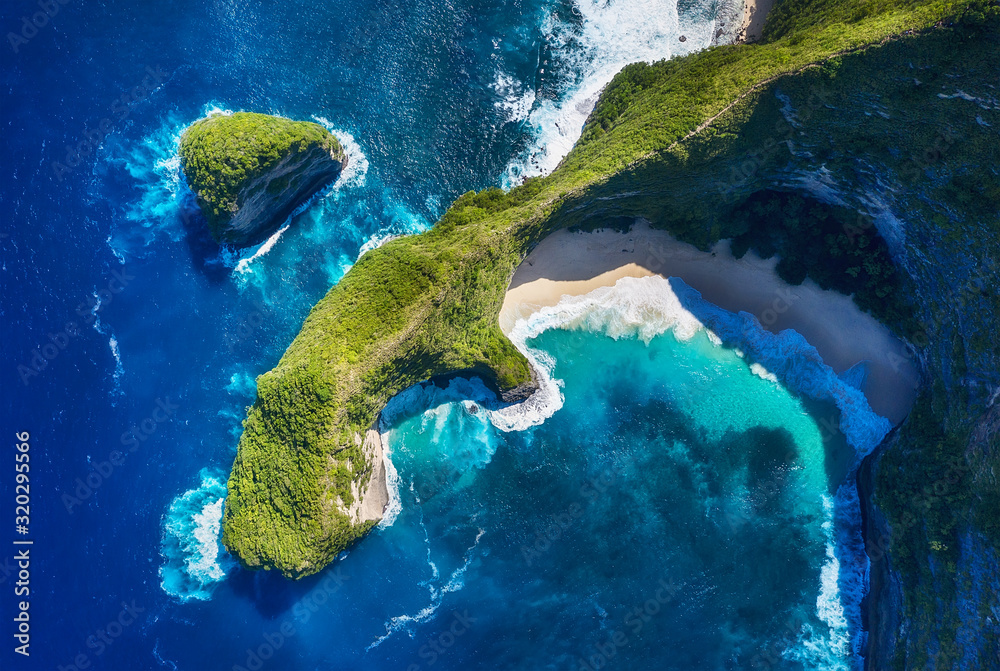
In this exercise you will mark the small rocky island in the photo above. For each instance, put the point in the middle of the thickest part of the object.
(250, 171)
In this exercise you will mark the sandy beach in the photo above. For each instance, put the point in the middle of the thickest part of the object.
(754, 13)
(568, 263)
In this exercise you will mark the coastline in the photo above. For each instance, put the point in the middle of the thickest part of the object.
(752, 26)
(568, 263)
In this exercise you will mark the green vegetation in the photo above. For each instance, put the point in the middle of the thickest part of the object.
(224, 154)
(394, 323)
(825, 243)
(778, 145)
(880, 133)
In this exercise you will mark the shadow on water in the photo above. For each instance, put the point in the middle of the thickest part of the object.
(271, 593)
(203, 250)
(839, 459)
(274, 595)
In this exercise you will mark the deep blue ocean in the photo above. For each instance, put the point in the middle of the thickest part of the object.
(675, 512)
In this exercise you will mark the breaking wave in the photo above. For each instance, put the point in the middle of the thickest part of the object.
(583, 51)
(194, 561)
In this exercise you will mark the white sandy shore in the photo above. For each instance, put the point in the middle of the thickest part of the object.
(577, 263)
(754, 13)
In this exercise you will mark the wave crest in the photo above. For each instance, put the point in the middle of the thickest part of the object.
(194, 559)
(586, 50)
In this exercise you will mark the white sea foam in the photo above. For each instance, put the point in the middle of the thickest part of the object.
(630, 308)
(243, 265)
(761, 372)
(587, 51)
(119, 368)
(207, 527)
(401, 222)
(792, 360)
(165, 200)
(541, 405)
(95, 309)
(375, 242)
(155, 164)
(242, 384)
(420, 397)
(109, 241)
(827, 650)
(194, 561)
(351, 177)
(357, 163)
(455, 582)
(395, 504)
(515, 100)
(433, 403)
(646, 307)
(215, 109)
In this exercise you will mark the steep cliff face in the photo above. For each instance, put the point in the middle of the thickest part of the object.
(935, 578)
(848, 106)
(250, 171)
(903, 137)
(882, 610)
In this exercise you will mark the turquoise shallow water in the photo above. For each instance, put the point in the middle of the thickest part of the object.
(675, 513)
(670, 479)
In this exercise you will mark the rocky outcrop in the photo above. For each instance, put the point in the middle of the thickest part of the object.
(249, 172)
(266, 202)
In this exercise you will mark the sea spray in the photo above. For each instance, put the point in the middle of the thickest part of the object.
(242, 384)
(355, 173)
(584, 49)
(194, 561)
(352, 176)
(165, 205)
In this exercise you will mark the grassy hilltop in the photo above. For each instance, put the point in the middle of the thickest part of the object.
(705, 147)
(230, 160)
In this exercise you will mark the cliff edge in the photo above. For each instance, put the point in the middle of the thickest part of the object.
(250, 171)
